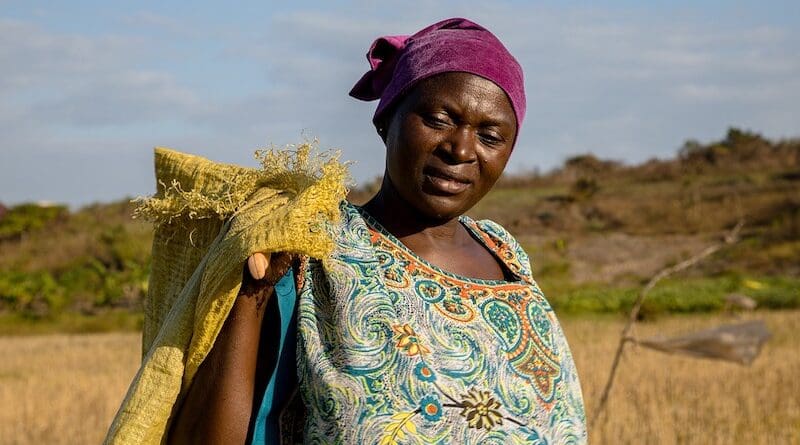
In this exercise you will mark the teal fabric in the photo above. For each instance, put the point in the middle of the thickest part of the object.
(283, 381)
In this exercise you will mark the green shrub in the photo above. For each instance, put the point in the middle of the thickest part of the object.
(25, 218)
(679, 295)
(32, 294)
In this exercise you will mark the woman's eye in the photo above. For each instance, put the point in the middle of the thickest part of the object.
(437, 120)
(490, 138)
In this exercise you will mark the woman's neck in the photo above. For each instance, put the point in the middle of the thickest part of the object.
(404, 221)
(445, 243)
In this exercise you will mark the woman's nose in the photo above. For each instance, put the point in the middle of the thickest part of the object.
(460, 146)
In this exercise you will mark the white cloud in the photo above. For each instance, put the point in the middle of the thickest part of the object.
(55, 81)
(32, 57)
(161, 23)
(124, 98)
(628, 86)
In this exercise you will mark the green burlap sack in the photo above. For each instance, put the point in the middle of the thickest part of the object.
(210, 218)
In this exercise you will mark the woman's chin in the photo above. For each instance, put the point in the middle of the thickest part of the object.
(441, 207)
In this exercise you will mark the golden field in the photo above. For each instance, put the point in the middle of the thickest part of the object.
(64, 389)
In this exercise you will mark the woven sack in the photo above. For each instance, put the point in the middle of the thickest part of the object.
(210, 218)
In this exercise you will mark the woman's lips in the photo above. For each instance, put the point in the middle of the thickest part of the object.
(445, 182)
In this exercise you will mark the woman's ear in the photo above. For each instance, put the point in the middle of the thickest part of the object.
(381, 128)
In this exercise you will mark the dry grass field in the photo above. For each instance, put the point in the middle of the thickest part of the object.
(668, 399)
(64, 389)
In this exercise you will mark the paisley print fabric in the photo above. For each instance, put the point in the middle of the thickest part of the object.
(394, 350)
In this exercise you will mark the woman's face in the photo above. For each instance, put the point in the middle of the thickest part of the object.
(447, 143)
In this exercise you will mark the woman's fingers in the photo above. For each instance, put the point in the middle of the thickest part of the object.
(257, 264)
(269, 267)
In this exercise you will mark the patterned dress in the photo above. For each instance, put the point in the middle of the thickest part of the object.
(394, 350)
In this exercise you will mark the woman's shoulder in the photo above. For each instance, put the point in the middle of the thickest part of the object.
(349, 231)
(492, 228)
(350, 217)
(501, 240)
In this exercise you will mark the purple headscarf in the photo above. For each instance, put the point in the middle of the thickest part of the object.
(399, 62)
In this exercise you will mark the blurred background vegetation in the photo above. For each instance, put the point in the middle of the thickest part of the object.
(596, 230)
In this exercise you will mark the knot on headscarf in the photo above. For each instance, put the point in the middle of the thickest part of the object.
(453, 45)
(382, 57)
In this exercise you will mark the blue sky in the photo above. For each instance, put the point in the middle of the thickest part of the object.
(88, 88)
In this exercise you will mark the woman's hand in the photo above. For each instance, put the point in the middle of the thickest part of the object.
(257, 264)
(268, 266)
(219, 404)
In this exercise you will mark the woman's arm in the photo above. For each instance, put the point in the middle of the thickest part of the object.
(218, 406)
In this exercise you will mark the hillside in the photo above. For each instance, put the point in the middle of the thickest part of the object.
(594, 228)
(598, 229)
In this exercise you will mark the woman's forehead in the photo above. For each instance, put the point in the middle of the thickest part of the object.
(463, 90)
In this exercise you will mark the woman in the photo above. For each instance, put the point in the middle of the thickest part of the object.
(424, 326)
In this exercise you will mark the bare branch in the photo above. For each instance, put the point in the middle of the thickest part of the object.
(625, 337)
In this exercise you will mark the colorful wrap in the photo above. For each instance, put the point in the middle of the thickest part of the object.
(392, 349)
